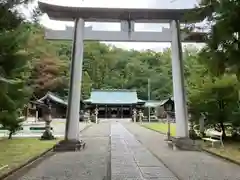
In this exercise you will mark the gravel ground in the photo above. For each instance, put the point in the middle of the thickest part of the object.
(89, 164)
(187, 165)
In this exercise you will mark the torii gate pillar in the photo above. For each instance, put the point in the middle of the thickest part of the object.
(72, 141)
(178, 82)
(72, 128)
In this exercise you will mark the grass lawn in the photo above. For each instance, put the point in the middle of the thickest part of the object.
(231, 150)
(19, 150)
(161, 127)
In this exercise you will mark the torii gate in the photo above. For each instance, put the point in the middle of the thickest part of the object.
(127, 18)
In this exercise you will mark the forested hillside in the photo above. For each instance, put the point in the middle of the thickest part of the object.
(103, 67)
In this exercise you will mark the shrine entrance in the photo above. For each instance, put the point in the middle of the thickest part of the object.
(115, 112)
(127, 18)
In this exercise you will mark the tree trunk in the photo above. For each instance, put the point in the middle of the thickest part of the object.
(238, 78)
(10, 135)
(223, 129)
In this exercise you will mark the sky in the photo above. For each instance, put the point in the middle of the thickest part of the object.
(161, 4)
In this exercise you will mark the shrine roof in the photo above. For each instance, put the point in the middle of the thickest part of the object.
(166, 100)
(155, 103)
(53, 98)
(152, 103)
(114, 96)
(60, 12)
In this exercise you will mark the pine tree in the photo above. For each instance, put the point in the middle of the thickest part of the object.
(14, 68)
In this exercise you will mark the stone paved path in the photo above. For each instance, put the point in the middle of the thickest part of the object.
(116, 157)
(114, 151)
(187, 165)
(89, 164)
(131, 161)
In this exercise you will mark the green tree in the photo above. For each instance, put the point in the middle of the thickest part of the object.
(222, 41)
(15, 69)
(217, 99)
(14, 66)
(86, 86)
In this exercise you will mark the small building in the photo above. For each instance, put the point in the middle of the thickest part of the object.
(152, 105)
(166, 104)
(158, 108)
(114, 103)
(58, 105)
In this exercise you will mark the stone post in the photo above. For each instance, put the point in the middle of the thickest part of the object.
(169, 127)
(96, 115)
(134, 115)
(140, 116)
(36, 115)
(72, 142)
(178, 83)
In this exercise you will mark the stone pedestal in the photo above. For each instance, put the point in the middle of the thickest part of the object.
(186, 144)
(69, 145)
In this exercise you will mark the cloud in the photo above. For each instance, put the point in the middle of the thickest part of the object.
(161, 4)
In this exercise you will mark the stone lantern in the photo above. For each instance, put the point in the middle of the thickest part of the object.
(47, 135)
(168, 110)
(87, 117)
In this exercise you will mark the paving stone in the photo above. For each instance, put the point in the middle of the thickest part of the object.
(142, 161)
(156, 172)
(130, 172)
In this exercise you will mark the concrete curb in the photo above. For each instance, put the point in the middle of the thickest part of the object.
(33, 162)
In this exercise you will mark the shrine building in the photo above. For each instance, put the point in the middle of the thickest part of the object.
(114, 103)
